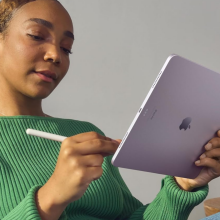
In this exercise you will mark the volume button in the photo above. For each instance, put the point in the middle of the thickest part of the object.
(155, 82)
(123, 139)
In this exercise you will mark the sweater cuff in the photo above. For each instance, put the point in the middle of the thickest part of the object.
(27, 208)
(174, 203)
(180, 199)
(196, 196)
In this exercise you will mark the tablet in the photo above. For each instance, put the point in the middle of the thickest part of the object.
(179, 115)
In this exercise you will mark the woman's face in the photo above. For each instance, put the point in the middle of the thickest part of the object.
(22, 54)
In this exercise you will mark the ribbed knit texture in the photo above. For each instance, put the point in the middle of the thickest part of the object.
(27, 162)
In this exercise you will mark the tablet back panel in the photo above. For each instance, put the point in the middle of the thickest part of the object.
(180, 114)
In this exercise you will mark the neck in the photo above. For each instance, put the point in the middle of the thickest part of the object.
(42, 115)
(14, 103)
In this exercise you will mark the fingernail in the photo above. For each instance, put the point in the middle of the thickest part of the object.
(197, 162)
(202, 156)
(208, 146)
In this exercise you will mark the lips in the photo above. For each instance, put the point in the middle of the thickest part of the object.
(48, 73)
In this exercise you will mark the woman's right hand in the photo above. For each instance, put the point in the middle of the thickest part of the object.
(78, 164)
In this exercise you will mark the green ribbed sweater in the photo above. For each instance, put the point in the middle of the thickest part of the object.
(27, 162)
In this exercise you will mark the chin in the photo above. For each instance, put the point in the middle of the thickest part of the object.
(39, 95)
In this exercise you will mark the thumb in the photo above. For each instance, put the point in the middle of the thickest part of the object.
(118, 140)
(218, 133)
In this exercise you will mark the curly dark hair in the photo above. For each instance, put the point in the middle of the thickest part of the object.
(7, 9)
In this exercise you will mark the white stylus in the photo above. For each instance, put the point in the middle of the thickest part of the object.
(43, 134)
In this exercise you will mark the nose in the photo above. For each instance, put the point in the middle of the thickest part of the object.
(53, 54)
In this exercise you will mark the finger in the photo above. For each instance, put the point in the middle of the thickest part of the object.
(97, 146)
(213, 143)
(211, 153)
(89, 174)
(92, 160)
(118, 140)
(82, 137)
(218, 133)
(211, 163)
(94, 172)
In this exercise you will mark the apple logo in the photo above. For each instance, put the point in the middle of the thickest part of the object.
(185, 123)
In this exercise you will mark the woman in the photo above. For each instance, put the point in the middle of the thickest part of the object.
(43, 179)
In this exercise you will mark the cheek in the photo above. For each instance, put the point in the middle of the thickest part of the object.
(19, 56)
(27, 52)
(66, 65)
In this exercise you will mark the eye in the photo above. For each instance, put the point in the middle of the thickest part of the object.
(37, 38)
(67, 51)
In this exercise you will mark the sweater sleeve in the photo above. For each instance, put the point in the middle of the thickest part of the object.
(27, 208)
(170, 203)
(174, 203)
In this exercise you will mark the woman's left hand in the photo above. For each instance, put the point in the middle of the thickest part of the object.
(211, 162)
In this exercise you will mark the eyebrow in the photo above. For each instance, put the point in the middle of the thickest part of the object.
(50, 26)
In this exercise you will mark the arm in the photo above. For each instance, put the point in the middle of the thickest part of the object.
(27, 208)
(47, 208)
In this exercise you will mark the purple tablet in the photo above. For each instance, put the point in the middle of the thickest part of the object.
(179, 115)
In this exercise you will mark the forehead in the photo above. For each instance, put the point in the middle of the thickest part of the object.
(48, 10)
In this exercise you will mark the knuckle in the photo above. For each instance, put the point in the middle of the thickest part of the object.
(99, 173)
(94, 134)
(67, 151)
(205, 160)
(100, 158)
(213, 153)
(75, 162)
(207, 153)
(97, 142)
(67, 141)
(81, 176)
(215, 141)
